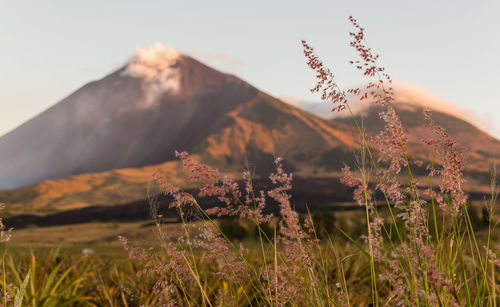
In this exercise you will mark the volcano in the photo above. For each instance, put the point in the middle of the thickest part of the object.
(160, 102)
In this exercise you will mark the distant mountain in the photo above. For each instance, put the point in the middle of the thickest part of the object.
(321, 109)
(410, 101)
(482, 150)
(163, 101)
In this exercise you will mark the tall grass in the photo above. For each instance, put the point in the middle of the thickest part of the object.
(55, 281)
(410, 257)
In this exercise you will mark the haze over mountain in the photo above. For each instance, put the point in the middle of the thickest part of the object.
(321, 109)
(404, 93)
(159, 102)
(481, 148)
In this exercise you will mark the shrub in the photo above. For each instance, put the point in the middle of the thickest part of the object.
(115, 223)
(485, 218)
(324, 222)
(232, 228)
(474, 218)
(266, 230)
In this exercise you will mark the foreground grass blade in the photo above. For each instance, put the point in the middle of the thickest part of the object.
(18, 300)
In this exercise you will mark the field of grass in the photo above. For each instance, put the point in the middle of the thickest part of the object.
(89, 261)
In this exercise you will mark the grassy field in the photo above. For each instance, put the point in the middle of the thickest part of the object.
(91, 265)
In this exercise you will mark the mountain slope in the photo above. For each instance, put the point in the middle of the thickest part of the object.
(254, 131)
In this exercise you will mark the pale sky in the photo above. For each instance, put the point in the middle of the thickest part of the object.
(51, 48)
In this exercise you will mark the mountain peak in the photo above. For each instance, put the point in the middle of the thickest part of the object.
(138, 115)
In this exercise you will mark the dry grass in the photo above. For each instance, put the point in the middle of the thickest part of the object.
(96, 233)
